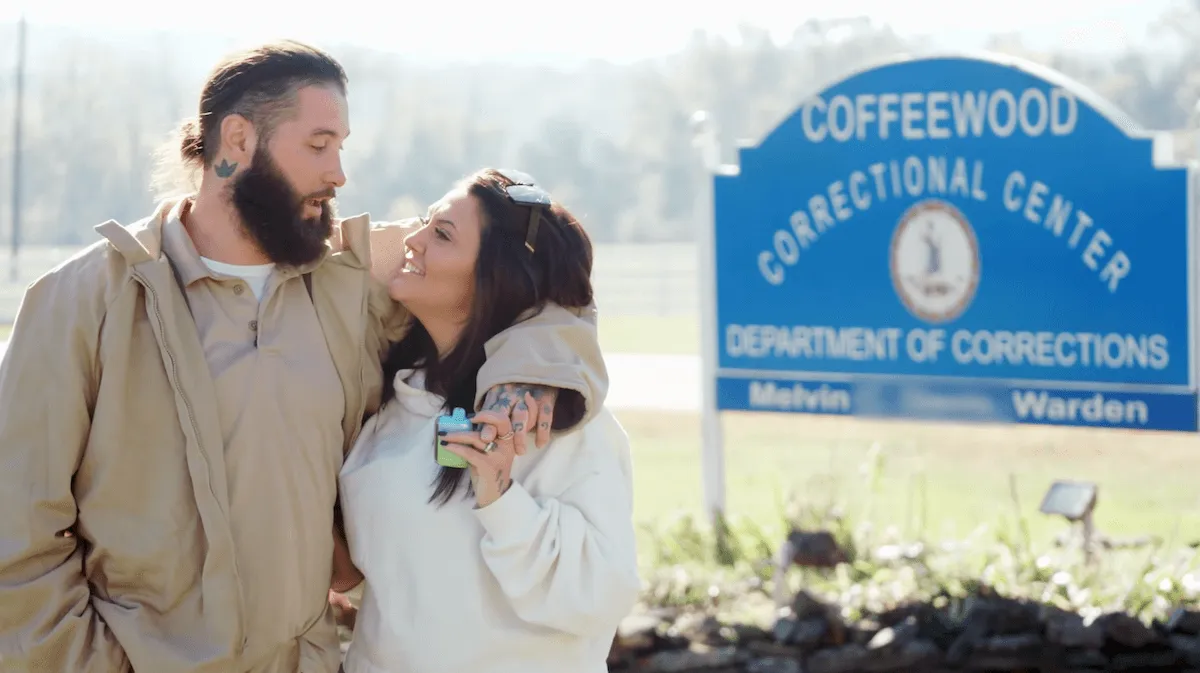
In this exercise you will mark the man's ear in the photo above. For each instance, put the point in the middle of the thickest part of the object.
(238, 140)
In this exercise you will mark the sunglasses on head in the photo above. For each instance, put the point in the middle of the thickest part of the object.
(525, 192)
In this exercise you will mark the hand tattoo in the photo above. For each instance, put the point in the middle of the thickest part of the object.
(504, 398)
(519, 426)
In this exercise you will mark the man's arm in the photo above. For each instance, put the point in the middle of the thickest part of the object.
(553, 354)
(48, 379)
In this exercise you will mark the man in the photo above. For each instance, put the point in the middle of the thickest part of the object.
(176, 400)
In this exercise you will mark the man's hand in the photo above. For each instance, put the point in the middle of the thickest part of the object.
(388, 249)
(529, 407)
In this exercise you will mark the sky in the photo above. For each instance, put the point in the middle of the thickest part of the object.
(616, 30)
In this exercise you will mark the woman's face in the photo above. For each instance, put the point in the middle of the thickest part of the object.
(437, 281)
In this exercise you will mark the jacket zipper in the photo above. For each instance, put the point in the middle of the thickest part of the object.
(187, 403)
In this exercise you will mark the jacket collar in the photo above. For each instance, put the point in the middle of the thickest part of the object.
(147, 239)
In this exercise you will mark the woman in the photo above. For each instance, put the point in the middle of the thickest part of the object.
(522, 563)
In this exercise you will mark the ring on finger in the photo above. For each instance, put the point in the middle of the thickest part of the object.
(505, 437)
(489, 447)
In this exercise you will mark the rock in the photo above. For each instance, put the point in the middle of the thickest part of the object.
(809, 634)
(695, 658)
(1188, 647)
(806, 634)
(785, 629)
(1006, 616)
(773, 665)
(745, 633)
(1184, 621)
(864, 631)
(982, 632)
(1069, 630)
(1012, 652)
(940, 629)
(896, 615)
(975, 629)
(893, 638)
(914, 655)
(1145, 661)
(844, 659)
(815, 549)
(1085, 659)
(638, 633)
(698, 627)
(770, 650)
(1126, 630)
(806, 605)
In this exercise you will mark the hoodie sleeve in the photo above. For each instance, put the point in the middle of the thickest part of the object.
(561, 543)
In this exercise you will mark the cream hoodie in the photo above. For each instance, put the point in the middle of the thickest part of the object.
(536, 582)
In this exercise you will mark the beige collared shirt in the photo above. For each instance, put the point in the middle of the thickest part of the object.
(111, 428)
(280, 405)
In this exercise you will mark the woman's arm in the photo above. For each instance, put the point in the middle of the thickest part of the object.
(566, 561)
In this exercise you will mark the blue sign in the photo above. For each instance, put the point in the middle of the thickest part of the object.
(959, 239)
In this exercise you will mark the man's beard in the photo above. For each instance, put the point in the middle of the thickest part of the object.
(272, 213)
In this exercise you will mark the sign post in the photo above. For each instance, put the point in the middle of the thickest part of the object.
(706, 140)
(973, 239)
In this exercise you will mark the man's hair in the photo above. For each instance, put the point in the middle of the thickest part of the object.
(259, 84)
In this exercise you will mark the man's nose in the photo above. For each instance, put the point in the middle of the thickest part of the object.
(337, 176)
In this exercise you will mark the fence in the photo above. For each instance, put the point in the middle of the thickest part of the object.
(630, 278)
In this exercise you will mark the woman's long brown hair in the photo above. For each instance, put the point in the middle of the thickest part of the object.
(509, 280)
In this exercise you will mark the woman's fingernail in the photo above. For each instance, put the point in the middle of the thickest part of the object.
(441, 433)
(443, 442)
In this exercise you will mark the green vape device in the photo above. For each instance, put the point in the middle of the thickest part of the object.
(457, 422)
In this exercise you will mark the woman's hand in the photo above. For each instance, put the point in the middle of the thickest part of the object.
(530, 408)
(490, 462)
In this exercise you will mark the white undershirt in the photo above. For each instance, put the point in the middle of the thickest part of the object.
(536, 582)
(255, 275)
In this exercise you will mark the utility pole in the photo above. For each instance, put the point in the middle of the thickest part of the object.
(14, 270)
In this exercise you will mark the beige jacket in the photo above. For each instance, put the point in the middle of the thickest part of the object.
(108, 430)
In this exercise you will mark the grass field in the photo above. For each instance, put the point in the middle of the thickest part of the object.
(956, 478)
(658, 335)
